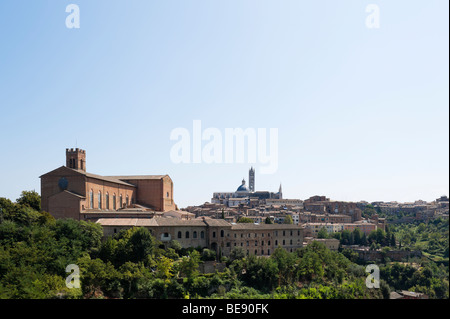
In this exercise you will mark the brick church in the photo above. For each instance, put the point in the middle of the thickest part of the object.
(71, 192)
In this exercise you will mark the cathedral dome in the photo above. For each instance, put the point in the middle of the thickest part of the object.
(242, 187)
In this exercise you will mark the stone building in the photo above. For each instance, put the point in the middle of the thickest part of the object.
(330, 243)
(71, 192)
(323, 205)
(216, 234)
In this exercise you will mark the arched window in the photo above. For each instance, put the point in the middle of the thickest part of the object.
(114, 201)
(179, 234)
(127, 201)
(107, 200)
(187, 234)
(99, 200)
(221, 233)
(202, 234)
(194, 235)
(91, 199)
(120, 201)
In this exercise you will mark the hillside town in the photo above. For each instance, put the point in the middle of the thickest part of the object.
(250, 223)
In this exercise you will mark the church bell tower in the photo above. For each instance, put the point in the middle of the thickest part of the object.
(76, 159)
(251, 180)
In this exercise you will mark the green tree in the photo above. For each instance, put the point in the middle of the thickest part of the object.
(98, 278)
(322, 233)
(164, 268)
(346, 237)
(259, 273)
(208, 254)
(245, 220)
(288, 220)
(237, 253)
(392, 242)
(357, 236)
(30, 199)
(142, 244)
(285, 263)
(364, 241)
(189, 264)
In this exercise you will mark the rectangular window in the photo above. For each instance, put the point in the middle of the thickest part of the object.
(91, 199)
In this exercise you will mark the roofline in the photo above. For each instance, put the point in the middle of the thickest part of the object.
(93, 176)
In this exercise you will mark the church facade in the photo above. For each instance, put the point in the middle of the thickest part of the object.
(71, 192)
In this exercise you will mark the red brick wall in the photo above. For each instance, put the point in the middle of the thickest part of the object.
(49, 185)
(111, 188)
(155, 193)
(65, 205)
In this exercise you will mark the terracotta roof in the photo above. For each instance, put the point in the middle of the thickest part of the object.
(143, 222)
(216, 222)
(137, 222)
(70, 193)
(111, 179)
(74, 194)
(165, 221)
(264, 226)
(136, 177)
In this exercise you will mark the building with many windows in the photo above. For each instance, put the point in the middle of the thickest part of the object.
(216, 234)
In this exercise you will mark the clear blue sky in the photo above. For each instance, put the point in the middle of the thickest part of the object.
(362, 114)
